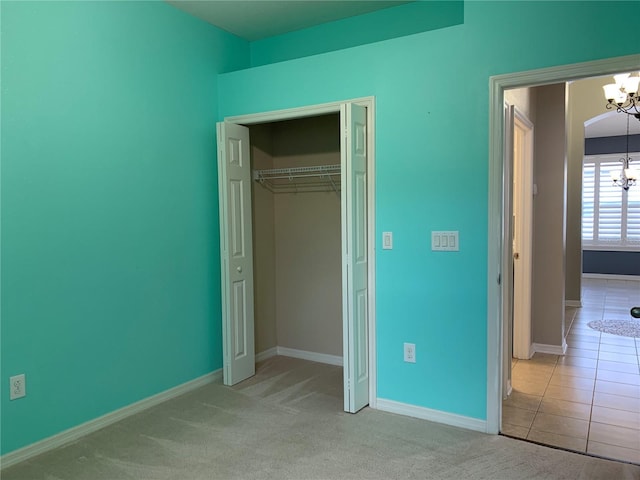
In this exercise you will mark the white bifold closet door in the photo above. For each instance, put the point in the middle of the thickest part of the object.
(236, 240)
(236, 251)
(355, 294)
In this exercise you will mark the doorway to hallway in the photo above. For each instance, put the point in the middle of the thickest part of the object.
(500, 242)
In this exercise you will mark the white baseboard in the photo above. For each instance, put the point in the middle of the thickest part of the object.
(432, 415)
(268, 353)
(553, 349)
(312, 356)
(91, 426)
(608, 276)
(573, 303)
(302, 354)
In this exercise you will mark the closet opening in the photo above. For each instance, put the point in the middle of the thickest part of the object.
(296, 242)
(295, 185)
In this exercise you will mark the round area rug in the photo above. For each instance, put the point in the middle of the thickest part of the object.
(624, 328)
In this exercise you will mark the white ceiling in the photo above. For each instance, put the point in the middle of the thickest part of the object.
(258, 19)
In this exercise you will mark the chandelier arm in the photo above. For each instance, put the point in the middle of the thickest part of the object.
(630, 106)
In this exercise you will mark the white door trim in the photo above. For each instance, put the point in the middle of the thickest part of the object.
(497, 85)
(506, 251)
(334, 107)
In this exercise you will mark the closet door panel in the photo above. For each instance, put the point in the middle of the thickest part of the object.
(236, 251)
(355, 262)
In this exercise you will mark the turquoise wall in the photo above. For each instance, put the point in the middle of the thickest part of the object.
(432, 98)
(405, 19)
(110, 260)
(110, 270)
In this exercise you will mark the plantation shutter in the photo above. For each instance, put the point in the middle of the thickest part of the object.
(609, 205)
(633, 214)
(588, 200)
(610, 214)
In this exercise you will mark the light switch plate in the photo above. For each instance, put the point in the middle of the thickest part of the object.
(445, 241)
(387, 240)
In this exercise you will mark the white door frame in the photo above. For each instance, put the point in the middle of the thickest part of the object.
(495, 271)
(322, 109)
(507, 259)
(523, 231)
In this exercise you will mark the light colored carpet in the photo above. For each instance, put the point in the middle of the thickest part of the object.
(287, 423)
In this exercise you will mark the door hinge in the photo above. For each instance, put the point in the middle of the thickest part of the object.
(499, 279)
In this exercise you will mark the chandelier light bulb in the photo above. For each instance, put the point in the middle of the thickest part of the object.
(620, 97)
(620, 78)
(611, 91)
(631, 85)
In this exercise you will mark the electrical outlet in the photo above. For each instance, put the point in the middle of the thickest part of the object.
(410, 352)
(17, 387)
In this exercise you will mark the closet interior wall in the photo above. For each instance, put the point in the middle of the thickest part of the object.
(297, 241)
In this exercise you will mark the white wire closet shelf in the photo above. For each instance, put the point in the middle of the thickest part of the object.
(318, 178)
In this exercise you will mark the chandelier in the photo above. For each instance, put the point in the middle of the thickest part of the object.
(628, 175)
(623, 95)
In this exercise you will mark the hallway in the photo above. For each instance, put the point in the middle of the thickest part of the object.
(589, 399)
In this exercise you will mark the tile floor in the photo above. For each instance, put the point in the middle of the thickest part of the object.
(589, 399)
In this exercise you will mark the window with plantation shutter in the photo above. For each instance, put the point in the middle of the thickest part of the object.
(610, 215)
(588, 198)
(633, 214)
(609, 205)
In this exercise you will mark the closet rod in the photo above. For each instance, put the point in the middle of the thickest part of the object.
(269, 177)
(296, 172)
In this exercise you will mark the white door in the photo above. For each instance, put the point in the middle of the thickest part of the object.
(354, 256)
(507, 253)
(522, 234)
(234, 178)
